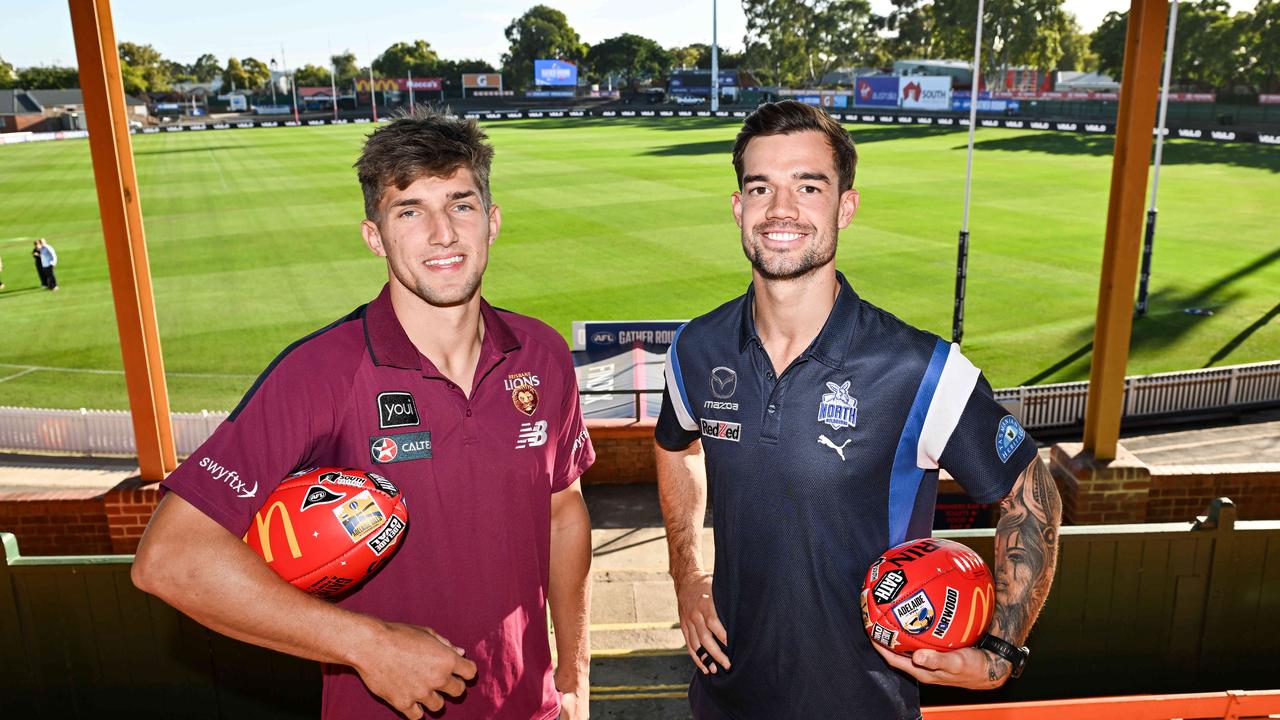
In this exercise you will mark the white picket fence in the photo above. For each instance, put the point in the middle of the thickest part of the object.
(1059, 404)
(110, 432)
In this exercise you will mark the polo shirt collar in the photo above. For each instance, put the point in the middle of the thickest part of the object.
(833, 341)
(389, 344)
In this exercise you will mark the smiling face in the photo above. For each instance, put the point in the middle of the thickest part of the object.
(790, 208)
(435, 234)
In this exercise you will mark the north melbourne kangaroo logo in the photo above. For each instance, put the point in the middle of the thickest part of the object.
(824, 440)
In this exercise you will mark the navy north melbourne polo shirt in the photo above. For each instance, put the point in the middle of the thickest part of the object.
(811, 475)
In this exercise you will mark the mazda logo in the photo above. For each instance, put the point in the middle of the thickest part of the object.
(724, 381)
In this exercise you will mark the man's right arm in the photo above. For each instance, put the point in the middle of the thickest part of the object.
(682, 490)
(193, 563)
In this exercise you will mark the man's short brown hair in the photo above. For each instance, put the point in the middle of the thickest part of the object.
(422, 143)
(787, 117)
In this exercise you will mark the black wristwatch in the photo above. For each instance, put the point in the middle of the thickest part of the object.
(1017, 656)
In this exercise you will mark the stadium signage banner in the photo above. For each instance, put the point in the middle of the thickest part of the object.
(926, 92)
(593, 336)
(1265, 99)
(557, 73)
(876, 92)
(399, 84)
(1231, 136)
(481, 80)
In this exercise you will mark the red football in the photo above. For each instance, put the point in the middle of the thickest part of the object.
(927, 593)
(327, 529)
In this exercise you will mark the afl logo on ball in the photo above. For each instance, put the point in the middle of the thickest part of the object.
(384, 450)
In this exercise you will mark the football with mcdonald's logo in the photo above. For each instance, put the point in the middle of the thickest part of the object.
(927, 593)
(325, 530)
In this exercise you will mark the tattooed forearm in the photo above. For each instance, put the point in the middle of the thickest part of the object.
(1026, 552)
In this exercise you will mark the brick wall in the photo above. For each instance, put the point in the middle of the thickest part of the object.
(127, 508)
(624, 452)
(62, 522)
(1180, 492)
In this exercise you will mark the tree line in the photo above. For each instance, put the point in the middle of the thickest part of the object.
(789, 43)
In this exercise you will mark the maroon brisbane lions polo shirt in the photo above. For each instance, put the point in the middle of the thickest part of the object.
(477, 476)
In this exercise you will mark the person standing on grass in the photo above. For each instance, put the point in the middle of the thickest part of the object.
(35, 254)
(47, 259)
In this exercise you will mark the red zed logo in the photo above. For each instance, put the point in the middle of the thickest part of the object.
(384, 449)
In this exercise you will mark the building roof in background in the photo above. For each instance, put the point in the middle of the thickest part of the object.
(1076, 80)
(22, 102)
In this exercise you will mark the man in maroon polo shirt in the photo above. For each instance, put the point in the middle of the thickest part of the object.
(471, 411)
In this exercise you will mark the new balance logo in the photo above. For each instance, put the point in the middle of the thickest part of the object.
(532, 434)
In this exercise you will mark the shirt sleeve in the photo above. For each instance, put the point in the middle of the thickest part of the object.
(972, 436)
(677, 428)
(574, 452)
(271, 433)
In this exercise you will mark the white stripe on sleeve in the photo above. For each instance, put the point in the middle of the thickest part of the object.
(675, 391)
(955, 385)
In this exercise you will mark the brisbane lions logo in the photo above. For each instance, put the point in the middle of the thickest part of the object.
(525, 398)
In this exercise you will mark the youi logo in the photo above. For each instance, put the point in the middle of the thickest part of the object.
(838, 409)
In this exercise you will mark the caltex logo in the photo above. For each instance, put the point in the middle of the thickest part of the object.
(384, 449)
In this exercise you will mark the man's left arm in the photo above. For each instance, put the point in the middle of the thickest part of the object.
(1026, 551)
(570, 596)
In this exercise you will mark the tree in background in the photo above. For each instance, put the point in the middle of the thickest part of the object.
(8, 78)
(48, 77)
(1228, 50)
(205, 68)
(911, 23)
(1029, 33)
(144, 68)
(345, 68)
(631, 56)
(234, 77)
(793, 42)
(257, 74)
(1265, 27)
(1107, 43)
(542, 33)
(312, 76)
(1076, 54)
(402, 58)
(698, 55)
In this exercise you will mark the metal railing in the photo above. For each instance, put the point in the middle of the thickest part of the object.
(110, 432)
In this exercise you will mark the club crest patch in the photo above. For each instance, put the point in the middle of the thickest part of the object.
(838, 409)
(525, 398)
(1008, 437)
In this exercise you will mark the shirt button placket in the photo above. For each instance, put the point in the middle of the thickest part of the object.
(772, 424)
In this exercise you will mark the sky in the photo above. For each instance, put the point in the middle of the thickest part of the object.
(38, 32)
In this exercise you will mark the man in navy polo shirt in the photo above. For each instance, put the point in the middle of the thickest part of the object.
(472, 412)
(819, 423)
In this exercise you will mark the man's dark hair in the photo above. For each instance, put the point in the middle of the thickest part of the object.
(422, 143)
(787, 117)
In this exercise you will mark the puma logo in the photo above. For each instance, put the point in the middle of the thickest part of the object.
(824, 440)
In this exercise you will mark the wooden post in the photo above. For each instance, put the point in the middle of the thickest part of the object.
(1138, 90)
(122, 231)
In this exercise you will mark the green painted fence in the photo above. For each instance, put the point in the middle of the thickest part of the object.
(1135, 609)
